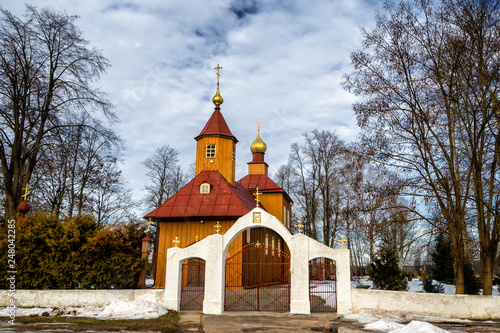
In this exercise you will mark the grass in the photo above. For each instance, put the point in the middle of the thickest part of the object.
(165, 324)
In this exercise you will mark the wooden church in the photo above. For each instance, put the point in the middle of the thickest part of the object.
(213, 200)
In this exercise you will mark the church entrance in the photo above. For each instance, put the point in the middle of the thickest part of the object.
(258, 276)
(193, 284)
(322, 285)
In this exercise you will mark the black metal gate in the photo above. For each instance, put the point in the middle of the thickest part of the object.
(322, 285)
(193, 284)
(258, 279)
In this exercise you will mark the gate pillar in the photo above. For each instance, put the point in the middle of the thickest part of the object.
(299, 274)
(214, 276)
(172, 298)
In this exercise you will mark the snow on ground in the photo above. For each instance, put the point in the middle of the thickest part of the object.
(415, 286)
(391, 322)
(115, 310)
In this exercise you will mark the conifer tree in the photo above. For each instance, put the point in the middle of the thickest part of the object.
(442, 257)
(385, 271)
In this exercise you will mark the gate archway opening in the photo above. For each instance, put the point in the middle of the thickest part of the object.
(323, 285)
(193, 284)
(258, 274)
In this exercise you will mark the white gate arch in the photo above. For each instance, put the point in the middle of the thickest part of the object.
(213, 250)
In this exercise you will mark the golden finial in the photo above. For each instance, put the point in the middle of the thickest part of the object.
(299, 226)
(257, 244)
(217, 99)
(342, 241)
(26, 193)
(217, 227)
(258, 146)
(149, 224)
(176, 241)
(256, 194)
(196, 238)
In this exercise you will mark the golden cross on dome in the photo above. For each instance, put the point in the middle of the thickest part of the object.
(299, 226)
(258, 125)
(149, 224)
(176, 241)
(217, 227)
(256, 194)
(342, 241)
(26, 193)
(196, 238)
(218, 68)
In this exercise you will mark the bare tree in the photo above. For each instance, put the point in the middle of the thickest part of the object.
(166, 175)
(429, 73)
(46, 74)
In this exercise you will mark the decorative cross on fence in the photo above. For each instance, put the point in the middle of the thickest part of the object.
(342, 241)
(217, 227)
(299, 226)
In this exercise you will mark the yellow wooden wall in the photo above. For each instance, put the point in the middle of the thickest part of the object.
(186, 231)
(223, 161)
(274, 202)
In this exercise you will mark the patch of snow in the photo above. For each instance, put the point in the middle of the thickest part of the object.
(384, 324)
(132, 310)
(25, 312)
(419, 327)
(363, 317)
(116, 310)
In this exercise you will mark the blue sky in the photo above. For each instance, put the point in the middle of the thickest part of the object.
(282, 62)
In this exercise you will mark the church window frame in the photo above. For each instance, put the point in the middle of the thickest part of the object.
(205, 188)
(210, 151)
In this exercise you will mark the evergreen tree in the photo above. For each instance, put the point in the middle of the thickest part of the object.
(442, 257)
(73, 253)
(386, 273)
(471, 282)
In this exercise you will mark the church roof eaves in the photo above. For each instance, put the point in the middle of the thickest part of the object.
(224, 200)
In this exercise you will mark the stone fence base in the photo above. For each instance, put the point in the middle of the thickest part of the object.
(440, 305)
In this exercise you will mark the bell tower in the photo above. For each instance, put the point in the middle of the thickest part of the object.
(216, 145)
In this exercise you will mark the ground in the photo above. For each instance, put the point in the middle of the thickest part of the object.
(266, 322)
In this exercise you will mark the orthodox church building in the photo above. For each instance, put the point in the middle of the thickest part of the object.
(213, 200)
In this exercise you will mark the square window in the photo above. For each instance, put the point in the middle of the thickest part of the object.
(210, 152)
(205, 188)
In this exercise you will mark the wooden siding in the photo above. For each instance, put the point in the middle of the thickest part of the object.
(257, 169)
(223, 160)
(186, 231)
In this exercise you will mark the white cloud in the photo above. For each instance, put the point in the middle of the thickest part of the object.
(282, 65)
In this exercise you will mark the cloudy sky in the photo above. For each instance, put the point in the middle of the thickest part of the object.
(282, 60)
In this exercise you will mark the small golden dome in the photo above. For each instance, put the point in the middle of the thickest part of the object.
(217, 99)
(258, 146)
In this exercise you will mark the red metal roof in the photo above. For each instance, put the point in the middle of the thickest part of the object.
(216, 125)
(223, 200)
(265, 184)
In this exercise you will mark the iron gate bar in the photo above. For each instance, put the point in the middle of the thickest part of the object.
(252, 285)
(193, 284)
(322, 276)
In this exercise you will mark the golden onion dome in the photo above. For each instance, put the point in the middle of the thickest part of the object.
(258, 146)
(217, 99)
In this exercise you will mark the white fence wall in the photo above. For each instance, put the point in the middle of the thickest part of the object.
(441, 305)
(452, 306)
(78, 298)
